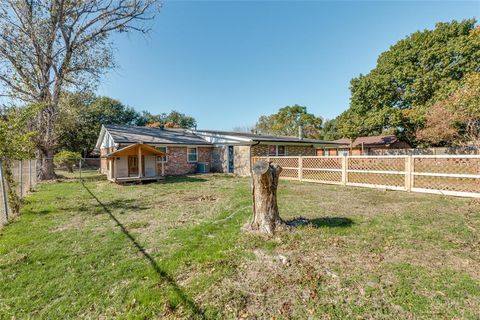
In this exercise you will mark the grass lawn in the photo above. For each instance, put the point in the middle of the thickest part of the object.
(175, 250)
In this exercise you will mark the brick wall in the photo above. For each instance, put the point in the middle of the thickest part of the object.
(177, 163)
(103, 161)
(241, 162)
(219, 159)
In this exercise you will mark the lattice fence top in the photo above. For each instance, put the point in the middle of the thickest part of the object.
(443, 174)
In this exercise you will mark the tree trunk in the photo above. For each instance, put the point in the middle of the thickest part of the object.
(47, 171)
(266, 218)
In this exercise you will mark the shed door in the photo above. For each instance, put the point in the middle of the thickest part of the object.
(132, 166)
(231, 155)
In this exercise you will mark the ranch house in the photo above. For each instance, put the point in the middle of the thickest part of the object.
(131, 153)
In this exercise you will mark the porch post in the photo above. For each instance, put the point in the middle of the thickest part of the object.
(140, 166)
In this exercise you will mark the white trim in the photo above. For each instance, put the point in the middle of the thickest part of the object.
(448, 175)
(376, 157)
(453, 156)
(377, 186)
(196, 153)
(322, 169)
(376, 171)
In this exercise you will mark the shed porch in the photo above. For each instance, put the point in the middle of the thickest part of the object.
(136, 162)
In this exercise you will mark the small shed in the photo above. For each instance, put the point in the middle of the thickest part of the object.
(136, 162)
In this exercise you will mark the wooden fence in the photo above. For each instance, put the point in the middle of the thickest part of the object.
(457, 175)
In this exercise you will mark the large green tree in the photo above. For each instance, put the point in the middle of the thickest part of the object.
(409, 78)
(287, 120)
(50, 46)
(81, 117)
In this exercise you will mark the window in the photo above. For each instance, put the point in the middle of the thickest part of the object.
(274, 150)
(192, 154)
(162, 159)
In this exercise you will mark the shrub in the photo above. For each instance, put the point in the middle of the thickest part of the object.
(67, 159)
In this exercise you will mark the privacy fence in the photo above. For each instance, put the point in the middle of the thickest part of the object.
(25, 173)
(457, 175)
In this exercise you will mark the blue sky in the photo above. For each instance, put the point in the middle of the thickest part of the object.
(226, 63)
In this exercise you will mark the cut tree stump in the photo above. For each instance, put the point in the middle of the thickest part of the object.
(266, 218)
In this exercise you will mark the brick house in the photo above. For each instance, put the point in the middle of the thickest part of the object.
(133, 153)
(362, 146)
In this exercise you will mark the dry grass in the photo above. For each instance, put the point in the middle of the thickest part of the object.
(175, 250)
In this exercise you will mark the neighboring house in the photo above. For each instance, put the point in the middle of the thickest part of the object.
(363, 146)
(167, 151)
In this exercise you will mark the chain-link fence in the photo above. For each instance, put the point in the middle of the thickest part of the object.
(74, 169)
(25, 175)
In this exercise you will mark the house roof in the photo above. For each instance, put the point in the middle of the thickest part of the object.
(265, 138)
(136, 134)
(372, 141)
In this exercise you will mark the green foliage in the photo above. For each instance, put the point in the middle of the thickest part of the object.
(16, 142)
(82, 116)
(174, 119)
(330, 131)
(409, 78)
(67, 159)
(286, 121)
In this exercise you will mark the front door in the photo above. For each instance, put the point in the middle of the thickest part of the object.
(231, 167)
(132, 166)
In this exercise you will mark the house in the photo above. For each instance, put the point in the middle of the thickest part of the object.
(131, 153)
(363, 146)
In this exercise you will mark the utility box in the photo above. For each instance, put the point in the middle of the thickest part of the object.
(203, 167)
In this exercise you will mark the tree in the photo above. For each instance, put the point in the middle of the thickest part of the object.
(266, 218)
(409, 78)
(456, 119)
(287, 120)
(67, 159)
(81, 116)
(174, 119)
(330, 131)
(49, 46)
(16, 143)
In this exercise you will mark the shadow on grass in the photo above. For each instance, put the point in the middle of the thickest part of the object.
(329, 222)
(164, 276)
(177, 179)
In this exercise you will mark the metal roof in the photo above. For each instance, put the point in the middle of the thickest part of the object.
(266, 138)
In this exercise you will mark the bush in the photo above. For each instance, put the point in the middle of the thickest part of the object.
(67, 159)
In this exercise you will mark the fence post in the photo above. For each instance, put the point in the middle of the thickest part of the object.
(344, 170)
(80, 168)
(408, 173)
(20, 178)
(29, 175)
(4, 191)
(300, 168)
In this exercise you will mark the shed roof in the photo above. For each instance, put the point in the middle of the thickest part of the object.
(142, 146)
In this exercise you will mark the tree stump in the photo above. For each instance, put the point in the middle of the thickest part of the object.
(266, 218)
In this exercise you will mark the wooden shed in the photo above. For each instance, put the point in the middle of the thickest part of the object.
(136, 162)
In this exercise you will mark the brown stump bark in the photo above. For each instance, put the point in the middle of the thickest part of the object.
(266, 218)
